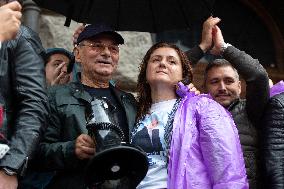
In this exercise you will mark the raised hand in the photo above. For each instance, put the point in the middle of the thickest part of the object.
(208, 25)
(10, 20)
(60, 76)
(218, 41)
(77, 33)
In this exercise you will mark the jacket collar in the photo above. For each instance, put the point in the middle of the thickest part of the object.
(233, 104)
(77, 89)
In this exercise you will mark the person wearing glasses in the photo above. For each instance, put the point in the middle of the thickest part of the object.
(66, 147)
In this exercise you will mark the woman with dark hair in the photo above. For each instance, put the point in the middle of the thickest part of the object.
(191, 142)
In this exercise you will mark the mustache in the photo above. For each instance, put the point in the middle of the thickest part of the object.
(223, 94)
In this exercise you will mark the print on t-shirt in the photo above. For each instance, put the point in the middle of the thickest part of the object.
(150, 137)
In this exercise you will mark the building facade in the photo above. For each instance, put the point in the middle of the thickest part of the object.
(256, 26)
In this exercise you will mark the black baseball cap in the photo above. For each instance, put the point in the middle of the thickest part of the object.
(52, 51)
(93, 30)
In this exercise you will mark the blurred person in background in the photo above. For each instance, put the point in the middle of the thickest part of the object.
(58, 66)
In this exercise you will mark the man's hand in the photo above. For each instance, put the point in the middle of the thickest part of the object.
(218, 41)
(183, 90)
(59, 76)
(208, 25)
(84, 147)
(192, 88)
(10, 20)
(77, 33)
(8, 182)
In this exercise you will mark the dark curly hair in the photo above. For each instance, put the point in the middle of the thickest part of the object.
(144, 99)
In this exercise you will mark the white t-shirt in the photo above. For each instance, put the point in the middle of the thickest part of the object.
(149, 135)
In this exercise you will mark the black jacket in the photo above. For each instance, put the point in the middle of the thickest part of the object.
(273, 143)
(67, 121)
(22, 90)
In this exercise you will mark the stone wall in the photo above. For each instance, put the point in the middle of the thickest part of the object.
(53, 33)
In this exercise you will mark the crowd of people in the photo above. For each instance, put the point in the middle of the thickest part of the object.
(191, 140)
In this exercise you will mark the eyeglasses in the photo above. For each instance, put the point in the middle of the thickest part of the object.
(99, 47)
